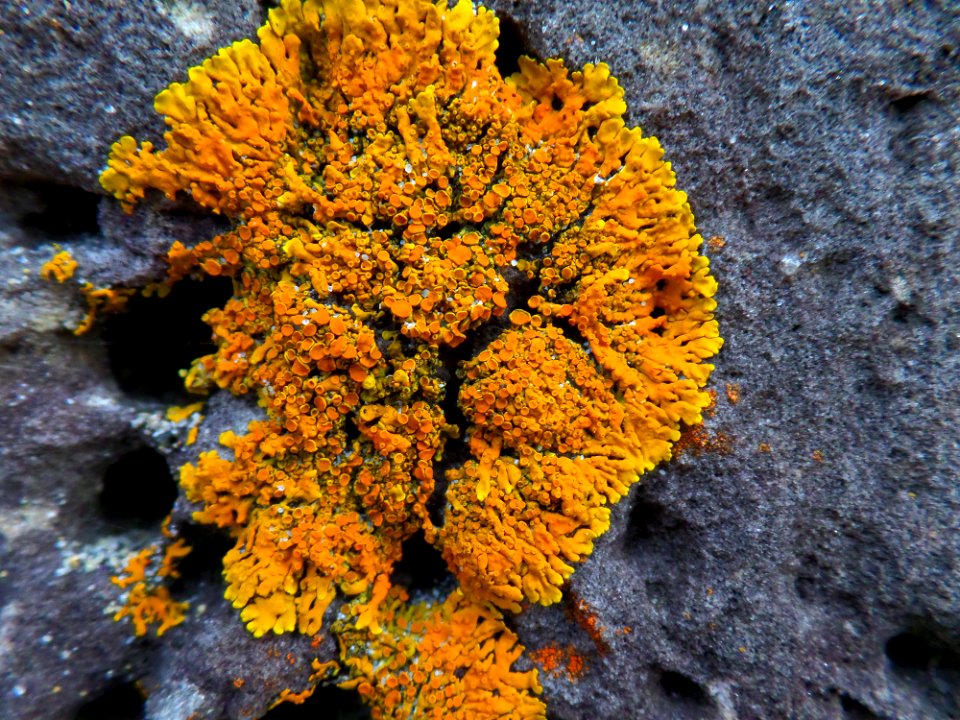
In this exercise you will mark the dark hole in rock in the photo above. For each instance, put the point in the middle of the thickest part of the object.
(679, 687)
(645, 519)
(61, 211)
(328, 702)
(901, 313)
(422, 568)
(513, 45)
(907, 314)
(119, 702)
(556, 104)
(657, 312)
(912, 651)
(909, 651)
(930, 663)
(204, 564)
(927, 661)
(138, 489)
(855, 709)
(909, 101)
(154, 338)
(656, 531)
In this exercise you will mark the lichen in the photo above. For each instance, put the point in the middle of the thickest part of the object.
(147, 598)
(440, 659)
(60, 267)
(101, 300)
(555, 661)
(395, 202)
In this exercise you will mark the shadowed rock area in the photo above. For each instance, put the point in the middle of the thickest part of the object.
(798, 558)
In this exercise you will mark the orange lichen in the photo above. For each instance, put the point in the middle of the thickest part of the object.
(580, 612)
(320, 671)
(696, 440)
(101, 300)
(60, 267)
(555, 660)
(449, 659)
(733, 393)
(179, 414)
(148, 600)
(391, 195)
(716, 243)
(294, 698)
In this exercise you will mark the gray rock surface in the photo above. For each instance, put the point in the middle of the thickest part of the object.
(74, 73)
(802, 563)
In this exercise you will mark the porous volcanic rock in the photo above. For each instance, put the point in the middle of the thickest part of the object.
(798, 558)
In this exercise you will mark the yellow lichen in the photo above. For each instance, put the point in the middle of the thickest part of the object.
(392, 196)
(60, 267)
(101, 300)
(148, 600)
(320, 671)
(179, 413)
(440, 660)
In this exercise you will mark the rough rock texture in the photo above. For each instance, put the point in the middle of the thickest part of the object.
(798, 560)
(74, 72)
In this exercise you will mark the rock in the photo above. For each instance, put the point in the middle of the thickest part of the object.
(797, 559)
(76, 76)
